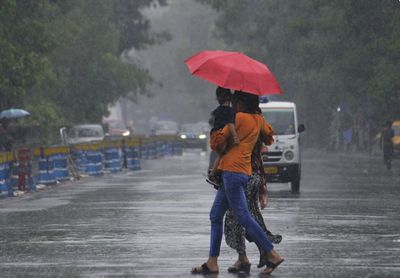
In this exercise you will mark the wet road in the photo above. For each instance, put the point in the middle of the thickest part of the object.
(154, 223)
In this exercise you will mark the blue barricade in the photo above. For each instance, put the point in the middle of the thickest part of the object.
(46, 170)
(94, 166)
(90, 159)
(60, 170)
(177, 148)
(112, 160)
(5, 183)
(144, 151)
(132, 152)
(80, 161)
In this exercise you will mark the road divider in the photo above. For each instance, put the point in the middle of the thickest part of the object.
(28, 169)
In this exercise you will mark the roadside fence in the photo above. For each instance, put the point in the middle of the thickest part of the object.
(28, 169)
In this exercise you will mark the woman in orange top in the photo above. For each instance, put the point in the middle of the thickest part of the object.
(236, 169)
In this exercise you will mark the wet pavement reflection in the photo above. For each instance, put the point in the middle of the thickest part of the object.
(154, 222)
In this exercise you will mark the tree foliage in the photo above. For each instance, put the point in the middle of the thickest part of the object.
(62, 59)
(324, 53)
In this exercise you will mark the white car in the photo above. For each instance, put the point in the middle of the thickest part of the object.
(84, 134)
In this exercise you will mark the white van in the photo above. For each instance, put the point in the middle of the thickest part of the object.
(281, 160)
(82, 134)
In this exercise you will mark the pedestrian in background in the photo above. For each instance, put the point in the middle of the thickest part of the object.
(387, 144)
(6, 139)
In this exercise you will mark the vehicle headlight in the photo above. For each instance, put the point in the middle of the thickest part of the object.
(126, 133)
(289, 155)
(183, 136)
(202, 136)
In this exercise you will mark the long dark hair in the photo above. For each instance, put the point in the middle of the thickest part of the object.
(249, 101)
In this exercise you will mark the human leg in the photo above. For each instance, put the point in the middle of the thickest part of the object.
(217, 212)
(213, 177)
(234, 238)
(252, 190)
(233, 184)
(234, 233)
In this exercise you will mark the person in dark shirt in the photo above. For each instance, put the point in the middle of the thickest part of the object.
(6, 139)
(387, 144)
(221, 116)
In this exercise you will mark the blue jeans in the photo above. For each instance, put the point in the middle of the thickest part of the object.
(231, 194)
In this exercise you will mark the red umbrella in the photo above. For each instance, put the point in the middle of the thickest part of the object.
(233, 70)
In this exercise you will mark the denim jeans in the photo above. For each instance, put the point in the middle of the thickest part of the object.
(231, 194)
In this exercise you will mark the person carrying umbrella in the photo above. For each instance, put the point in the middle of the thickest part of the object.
(6, 116)
(236, 169)
(236, 71)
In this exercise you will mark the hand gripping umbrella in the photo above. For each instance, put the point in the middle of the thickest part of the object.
(233, 70)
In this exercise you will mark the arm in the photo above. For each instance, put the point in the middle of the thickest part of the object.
(218, 140)
(266, 133)
(263, 191)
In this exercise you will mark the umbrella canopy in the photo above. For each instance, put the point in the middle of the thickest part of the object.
(233, 70)
(13, 113)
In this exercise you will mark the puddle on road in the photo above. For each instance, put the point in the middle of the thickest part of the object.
(34, 205)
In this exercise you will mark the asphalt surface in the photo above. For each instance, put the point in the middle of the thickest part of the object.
(154, 222)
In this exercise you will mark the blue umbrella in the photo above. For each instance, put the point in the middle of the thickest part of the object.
(13, 113)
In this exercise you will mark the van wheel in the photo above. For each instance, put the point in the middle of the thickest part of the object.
(295, 186)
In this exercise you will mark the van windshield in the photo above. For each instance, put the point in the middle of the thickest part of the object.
(93, 131)
(281, 119)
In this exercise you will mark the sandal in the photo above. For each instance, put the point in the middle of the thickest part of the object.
(239, 267)
(271, 266)
(264, 261)
(203, 270)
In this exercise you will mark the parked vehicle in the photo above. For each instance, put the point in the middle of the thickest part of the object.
(282, 161)
(82, 134)
(194, 136)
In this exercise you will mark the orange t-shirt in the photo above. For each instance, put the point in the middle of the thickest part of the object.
(248, 128)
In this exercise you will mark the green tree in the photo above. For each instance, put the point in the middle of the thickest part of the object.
(24, 42)
(61, 60)
(323, 52)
